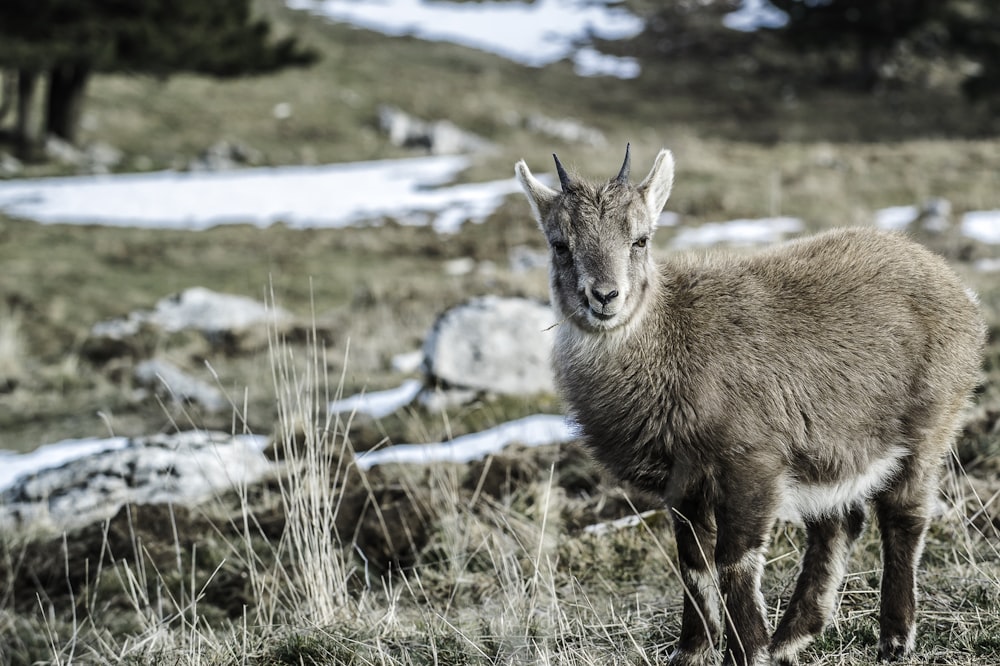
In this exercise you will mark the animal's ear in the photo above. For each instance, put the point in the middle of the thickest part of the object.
(540, 196)
(655, 189)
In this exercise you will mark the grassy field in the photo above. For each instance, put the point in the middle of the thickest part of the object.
(487, 563)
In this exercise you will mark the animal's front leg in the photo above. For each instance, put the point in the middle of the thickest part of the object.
(701, 623)
(744, 523)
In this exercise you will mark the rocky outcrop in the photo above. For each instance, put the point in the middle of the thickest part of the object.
(492, 344)
(184, 468)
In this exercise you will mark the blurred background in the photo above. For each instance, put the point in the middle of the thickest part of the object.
(339, 172)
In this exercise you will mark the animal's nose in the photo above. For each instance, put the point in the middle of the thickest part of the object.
(604, 297)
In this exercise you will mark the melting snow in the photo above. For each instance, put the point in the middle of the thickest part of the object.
(13, 466)
(334, 195)
(737, 232)
(378, 403)
(989, 265)
(600, 529)
(896, 218)
(982, 225)
(755, 14)
(535, 430)
(533, 33)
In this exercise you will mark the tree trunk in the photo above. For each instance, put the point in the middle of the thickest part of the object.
(67, 84)
(8, 82)
(871, 57)
(26, 126)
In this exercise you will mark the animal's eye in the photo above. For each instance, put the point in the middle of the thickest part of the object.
(560, 248)
(641, 242)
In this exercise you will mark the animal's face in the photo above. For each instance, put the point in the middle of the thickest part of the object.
(598, 235)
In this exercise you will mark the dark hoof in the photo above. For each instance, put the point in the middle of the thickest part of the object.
(892, 649)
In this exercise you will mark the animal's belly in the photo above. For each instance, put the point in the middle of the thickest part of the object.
(801, 500)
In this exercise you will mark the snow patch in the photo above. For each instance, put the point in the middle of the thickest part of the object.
(988, 265)
(737, 232)
(982, 225)
(378, 404)
(14, 466)
(537, 430)
(335, 195)
(753, 15)
(532, 33)
(896, 218)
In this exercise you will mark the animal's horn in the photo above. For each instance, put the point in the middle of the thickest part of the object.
(623, 174)
(564, 179)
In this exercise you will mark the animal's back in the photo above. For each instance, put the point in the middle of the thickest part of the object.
(854, 345)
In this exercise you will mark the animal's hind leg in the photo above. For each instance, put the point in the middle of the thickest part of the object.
(701, 623)
(829, 540)
(904, 511)
(903, 516)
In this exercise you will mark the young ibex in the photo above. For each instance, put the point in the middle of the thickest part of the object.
(810, 378)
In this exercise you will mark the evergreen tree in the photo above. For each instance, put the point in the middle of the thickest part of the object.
(66, 41)
(974, 31)
(868, 28)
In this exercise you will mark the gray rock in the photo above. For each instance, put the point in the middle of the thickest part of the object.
(565, 129)
(493, 344)
(63, 152)
(101, 157)
(441, 137)
(934, 216)
(167, 379)
(184, 468)
(209, 311)
(218, 316)
(96, 158)
(226, 155)
(10, 166)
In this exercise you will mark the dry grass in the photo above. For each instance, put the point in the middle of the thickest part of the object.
(491, 577)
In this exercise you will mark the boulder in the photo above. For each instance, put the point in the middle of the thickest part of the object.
(100, 158)
(224, 319)
(492, 344)
(569, 130)
(183, 468)
(440, 137)
(170, 381)
(10, 166)
(225, 156)
(96, 158)
(211, 312)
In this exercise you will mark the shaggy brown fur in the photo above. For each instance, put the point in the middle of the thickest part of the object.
(810, 379)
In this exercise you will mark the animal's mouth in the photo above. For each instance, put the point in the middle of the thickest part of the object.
(602, 316)
(599, 312)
